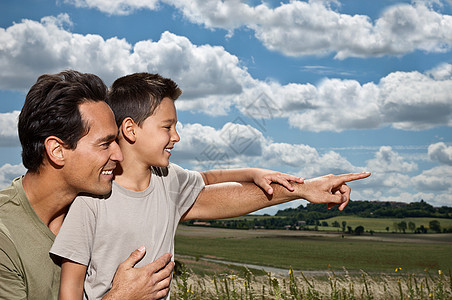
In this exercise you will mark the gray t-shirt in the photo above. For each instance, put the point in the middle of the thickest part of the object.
(102, 232)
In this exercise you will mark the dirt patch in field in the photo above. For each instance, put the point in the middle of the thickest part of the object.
(209, 232)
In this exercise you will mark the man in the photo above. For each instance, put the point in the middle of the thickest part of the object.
(68, 137)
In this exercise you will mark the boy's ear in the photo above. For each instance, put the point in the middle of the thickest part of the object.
(55, 150)
(128, 128)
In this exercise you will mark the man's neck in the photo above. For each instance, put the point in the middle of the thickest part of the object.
(49, 198)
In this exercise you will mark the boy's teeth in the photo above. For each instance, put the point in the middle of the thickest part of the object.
(107, 172)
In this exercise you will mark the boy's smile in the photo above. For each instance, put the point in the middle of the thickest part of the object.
(156, 137)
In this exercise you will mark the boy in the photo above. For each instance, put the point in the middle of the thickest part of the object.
(68, 134)
(149, 196)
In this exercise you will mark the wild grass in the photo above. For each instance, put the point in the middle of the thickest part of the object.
(401, 285)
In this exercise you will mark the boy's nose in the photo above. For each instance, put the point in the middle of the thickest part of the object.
(175, 137)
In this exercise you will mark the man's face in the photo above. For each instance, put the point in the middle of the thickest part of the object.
(157, 136)
(89, 167)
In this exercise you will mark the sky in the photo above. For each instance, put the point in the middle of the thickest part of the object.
(302, 87)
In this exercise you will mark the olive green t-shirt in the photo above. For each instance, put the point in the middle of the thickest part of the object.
(26, 269)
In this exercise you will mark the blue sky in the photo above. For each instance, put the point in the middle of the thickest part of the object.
(304, 87)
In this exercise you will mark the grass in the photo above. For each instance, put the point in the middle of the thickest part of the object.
(306, 251)
(247, 285)
(334, 265)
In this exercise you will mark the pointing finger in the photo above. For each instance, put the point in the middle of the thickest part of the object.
(353, 176)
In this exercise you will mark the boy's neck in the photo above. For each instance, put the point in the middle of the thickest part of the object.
(133, 177)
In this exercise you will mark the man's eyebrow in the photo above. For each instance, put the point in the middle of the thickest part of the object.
(107, 138)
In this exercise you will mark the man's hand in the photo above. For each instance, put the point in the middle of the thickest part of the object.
(331, 189)
(263, 178)
(149, 282)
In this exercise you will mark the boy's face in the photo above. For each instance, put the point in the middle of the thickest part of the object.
(89, 167)
(157, 135)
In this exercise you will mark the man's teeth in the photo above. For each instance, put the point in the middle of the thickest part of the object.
(169, 150)
(107, 172)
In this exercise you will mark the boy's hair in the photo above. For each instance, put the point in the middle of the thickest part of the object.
(51, 108)
(138, 95)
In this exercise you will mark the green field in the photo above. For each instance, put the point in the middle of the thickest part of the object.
(380, 224)
(303, 250)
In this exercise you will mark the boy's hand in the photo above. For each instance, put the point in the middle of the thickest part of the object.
(263, 178)
(148, 282)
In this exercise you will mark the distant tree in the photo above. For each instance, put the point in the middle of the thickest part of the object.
(387, 228)
(395, 225)
(325, 223)
(336, 224)
(411, 226)
(435, 226)
(402, 226)
(349, 229)
(344, 224)
(421, 229)
(359, 230)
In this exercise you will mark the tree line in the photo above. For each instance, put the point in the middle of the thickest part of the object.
(312, 214)
(369, 209)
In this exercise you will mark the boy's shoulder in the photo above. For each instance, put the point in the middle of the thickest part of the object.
(165, 171)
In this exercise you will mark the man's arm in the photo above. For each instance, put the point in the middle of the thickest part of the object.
(12, 283)
(261, 177)
(228, 200)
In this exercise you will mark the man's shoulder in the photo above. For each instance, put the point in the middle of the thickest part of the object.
(10, 193)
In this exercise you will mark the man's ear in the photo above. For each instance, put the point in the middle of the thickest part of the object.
(55, 150)
(128, 128)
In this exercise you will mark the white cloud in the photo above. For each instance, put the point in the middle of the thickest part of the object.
(9, 172)
(8, 129)
(214, 80)
(388, 161)
(405, 100)
(116, 7)
(29, 48)
(441, 153)
(301, 28)
(442, 72)
(234, 145)
(436, 179)
(205, 73)
(411, 100)
(240, 145)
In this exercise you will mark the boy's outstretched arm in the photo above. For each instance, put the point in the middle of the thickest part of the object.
(261, 177)
(226, 200)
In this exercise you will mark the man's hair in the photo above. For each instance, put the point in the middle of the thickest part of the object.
(138, 95)
(51, 108)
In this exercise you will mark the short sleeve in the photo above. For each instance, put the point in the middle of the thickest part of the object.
(185, 188)
(12, 282)
(75, 238)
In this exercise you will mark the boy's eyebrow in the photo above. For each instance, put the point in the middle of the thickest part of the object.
(171, 120)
